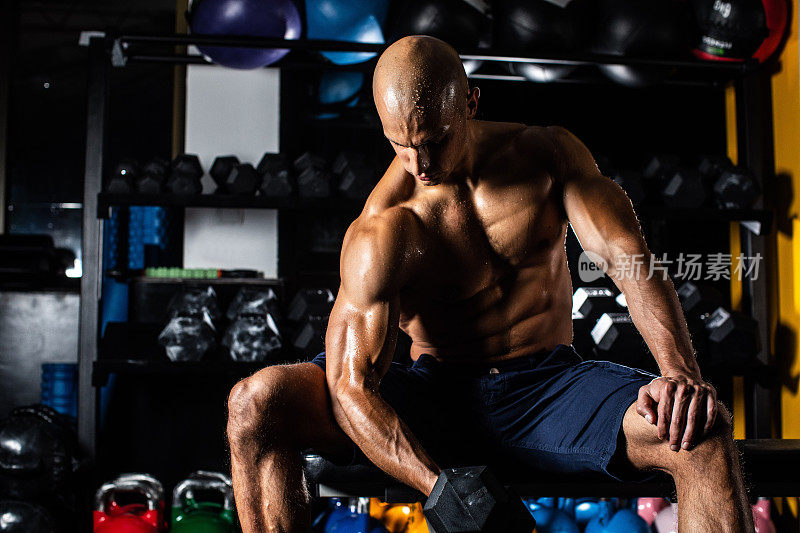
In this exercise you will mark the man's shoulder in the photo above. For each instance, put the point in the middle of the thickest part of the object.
(547, 138)
(382, 229)
(382, 251)
(513, 148)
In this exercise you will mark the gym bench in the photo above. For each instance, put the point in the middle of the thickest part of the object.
(771, 466)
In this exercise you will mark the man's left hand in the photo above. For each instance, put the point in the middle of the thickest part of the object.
(678, 403)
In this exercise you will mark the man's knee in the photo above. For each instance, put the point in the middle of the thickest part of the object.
(254, 410)
(713, 450)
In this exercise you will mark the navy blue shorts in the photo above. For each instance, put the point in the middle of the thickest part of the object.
(551, 411)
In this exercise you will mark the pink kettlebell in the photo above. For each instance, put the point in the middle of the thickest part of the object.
(761, 516)
(648, 508)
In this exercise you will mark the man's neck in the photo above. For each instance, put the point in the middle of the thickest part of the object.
(464, 173)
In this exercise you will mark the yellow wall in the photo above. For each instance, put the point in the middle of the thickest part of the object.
(786, 117)
(786, 200)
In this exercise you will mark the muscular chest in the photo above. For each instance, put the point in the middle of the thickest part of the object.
(490, 233)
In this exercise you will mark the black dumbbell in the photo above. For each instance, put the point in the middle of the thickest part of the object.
(631, 183)
(233, 177)
(309, 338)
(658, 166)
(123, 178)
(472, 499)
(733, 340)
(276, 176)
(683, 188)
(154, 173)
(185, 174)
(711, 167)
(736, 188)
(697, 300)
(655, 172)
(310, 302)
(313, 178)
(617, 339)
(243, 179)
(220, 169)
(356, 177)
(589, 303)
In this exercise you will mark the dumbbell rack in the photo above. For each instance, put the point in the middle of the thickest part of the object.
(755, 150)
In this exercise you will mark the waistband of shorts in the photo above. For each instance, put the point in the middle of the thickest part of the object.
(480, 368)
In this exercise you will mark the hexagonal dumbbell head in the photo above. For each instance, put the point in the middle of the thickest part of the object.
(713, 165)
(659, 166)
(472, 499)
(124, 175)
(309, 160)
(736, 188)
(684, 188)
(158, 166)
(221, 168)
(243, 179)
(150, 183)
(188, 165)
(733, 338)
(276, 176)
(314, 183)
(185, 175)
(154, 173)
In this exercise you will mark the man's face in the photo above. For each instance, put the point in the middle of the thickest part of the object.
(429, 142)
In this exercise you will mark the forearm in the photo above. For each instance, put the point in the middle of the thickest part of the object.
(656, 311)
(384, 438)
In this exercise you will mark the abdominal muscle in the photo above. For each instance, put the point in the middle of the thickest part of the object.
(523, 312)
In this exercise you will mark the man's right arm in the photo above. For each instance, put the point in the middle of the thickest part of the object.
(378, 257)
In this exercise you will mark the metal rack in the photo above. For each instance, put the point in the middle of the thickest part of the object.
(755, 143)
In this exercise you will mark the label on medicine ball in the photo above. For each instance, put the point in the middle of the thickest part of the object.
(730, 28)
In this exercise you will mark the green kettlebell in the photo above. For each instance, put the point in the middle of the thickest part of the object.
(192, 515)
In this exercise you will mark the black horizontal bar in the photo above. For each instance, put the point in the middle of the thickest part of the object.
(125, 42)
(342, 205)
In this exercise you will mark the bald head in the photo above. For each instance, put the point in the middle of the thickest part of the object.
(417, 76)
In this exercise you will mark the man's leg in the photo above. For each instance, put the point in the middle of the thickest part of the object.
(272, 416)
(711, 493)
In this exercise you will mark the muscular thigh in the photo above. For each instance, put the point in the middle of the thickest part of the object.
(299, 397)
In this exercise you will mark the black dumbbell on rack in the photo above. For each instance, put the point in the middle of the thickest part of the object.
(277, 180)
(184, 175)
(233, 177)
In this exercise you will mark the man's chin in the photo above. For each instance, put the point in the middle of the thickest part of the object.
(430, 180)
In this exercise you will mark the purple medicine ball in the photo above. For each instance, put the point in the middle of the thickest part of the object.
(254, 18)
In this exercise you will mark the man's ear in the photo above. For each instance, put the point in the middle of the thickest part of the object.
(472, 101)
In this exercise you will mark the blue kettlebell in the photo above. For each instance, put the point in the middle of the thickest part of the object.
(624, 520)
(585, 510)
(352, 518)
(550, 519)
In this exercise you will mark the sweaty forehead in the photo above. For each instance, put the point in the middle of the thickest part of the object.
(418, 79)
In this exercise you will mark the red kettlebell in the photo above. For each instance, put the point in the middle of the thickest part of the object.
(160, 494)
(110, 517)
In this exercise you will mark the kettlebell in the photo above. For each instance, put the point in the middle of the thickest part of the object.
(111, 517)
(607, 521)
(190, 514)
(159, 491)
(352, 517)
(551, 518)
